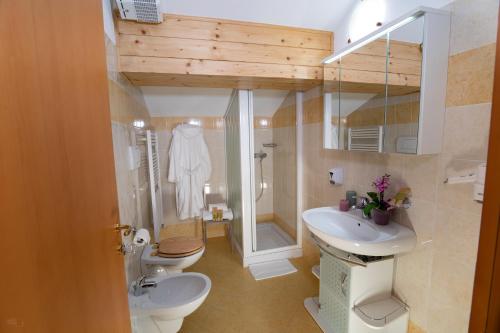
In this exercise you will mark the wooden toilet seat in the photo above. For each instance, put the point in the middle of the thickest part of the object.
(178, 247)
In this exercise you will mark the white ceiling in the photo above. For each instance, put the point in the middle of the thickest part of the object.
(186, 102)
(267, 102)
(315, 14)
(205, 102)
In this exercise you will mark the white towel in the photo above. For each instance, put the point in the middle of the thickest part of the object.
(222, 206)
(189, 169)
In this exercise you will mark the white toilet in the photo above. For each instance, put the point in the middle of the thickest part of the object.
(155, 264)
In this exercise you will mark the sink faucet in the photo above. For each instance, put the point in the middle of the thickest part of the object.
(361, 204)
(139, 286)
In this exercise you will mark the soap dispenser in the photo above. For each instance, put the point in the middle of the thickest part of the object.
(336, 176)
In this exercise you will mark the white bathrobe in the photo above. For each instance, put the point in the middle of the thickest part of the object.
(189, 169)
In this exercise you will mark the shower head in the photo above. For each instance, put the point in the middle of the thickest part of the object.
(260, 155)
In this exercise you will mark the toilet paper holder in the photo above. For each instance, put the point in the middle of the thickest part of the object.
(127, 229)
(138, 240)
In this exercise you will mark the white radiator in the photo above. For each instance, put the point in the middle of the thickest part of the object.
(155, 183)
(366, 138)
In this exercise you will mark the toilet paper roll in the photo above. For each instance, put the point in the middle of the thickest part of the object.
(142, 237)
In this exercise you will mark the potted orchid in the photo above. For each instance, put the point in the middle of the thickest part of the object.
(379, 209)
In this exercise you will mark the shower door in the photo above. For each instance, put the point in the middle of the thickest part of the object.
(237, 173)
(273, 166)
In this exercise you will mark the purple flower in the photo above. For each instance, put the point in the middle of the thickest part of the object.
(382, 183)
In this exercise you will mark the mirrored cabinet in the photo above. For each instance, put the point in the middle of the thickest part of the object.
(386, 93)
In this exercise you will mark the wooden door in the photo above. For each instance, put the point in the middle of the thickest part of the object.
(485, 314)
(59, 271)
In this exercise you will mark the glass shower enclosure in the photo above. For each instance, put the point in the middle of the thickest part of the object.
(263, 149)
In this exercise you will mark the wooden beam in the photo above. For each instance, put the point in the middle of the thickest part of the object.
(168, 47)
(191, 27)
(132, 64)
(242, 54)
(198, 51)
(219, 81)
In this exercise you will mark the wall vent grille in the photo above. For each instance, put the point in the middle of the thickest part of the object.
(148, 11)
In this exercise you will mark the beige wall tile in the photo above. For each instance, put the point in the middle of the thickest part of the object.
(456, 235)
(313, 110)
(413, 328)
(420, 217)
(421, 176)
(473, 24)
(262, 122)
(285, 116)
(265, 205)
(470, 76)
(457, 196)
(284, 134)
(169, 123)
(466, 131)
(412, 282)
(450, 295)
(124, 108)
(191, 228)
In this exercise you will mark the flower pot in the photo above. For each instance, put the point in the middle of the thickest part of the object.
(380, 217)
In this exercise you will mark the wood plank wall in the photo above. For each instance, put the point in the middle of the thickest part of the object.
(197, 51)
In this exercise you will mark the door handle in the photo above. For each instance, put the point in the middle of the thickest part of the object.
(127, 229)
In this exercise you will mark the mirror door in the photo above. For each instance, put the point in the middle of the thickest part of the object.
(404, 70)
(362, 97)
(372, 95)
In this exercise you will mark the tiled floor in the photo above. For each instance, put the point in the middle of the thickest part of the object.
(238, 303)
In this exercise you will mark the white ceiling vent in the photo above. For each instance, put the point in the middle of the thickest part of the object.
(140, 10)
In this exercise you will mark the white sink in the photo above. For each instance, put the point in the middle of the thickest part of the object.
(349, 232)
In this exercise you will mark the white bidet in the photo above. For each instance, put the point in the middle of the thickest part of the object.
(164, 306)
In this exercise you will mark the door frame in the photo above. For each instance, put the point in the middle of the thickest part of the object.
(485, 311)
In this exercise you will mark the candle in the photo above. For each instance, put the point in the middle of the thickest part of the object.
(344, 205)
